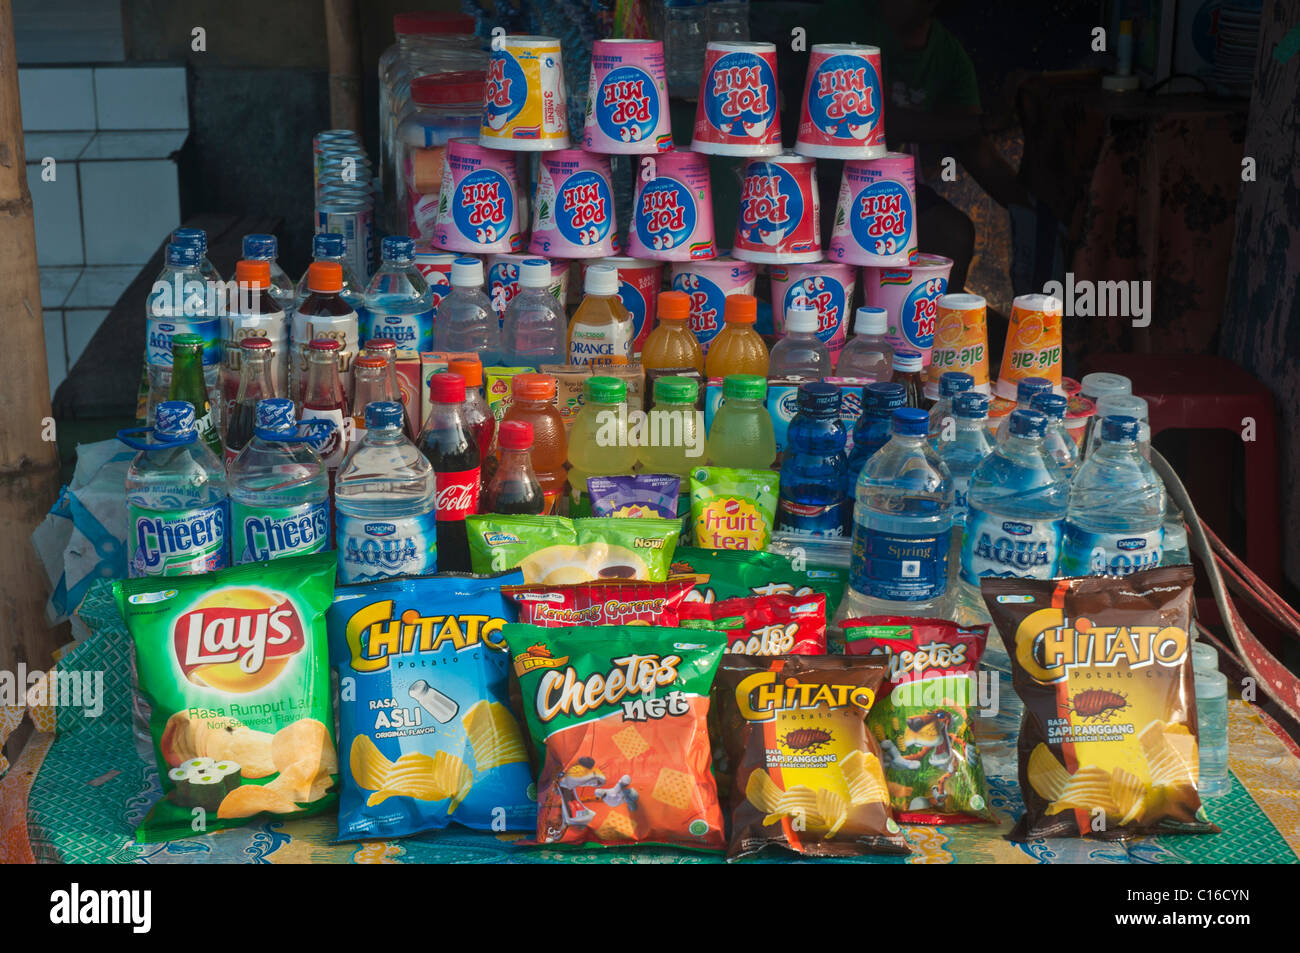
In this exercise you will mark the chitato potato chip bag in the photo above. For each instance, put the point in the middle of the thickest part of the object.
(923, 721)
(606, 602)
(808, 774)
(619, 713)
(424, 718)
(1108, 744)
(234, 667)
(764, 625)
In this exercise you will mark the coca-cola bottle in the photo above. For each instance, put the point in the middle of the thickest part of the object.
(448, 442)
(323, 400)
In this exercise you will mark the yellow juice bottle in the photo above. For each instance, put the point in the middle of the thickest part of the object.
(601, 330)
(598, 442)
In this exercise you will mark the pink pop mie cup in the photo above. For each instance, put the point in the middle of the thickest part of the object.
(875, 216)
(736, 114)
(779, 220)
(627, 99)
(639, 281)
(910, 296)
(672, 211)
(842, 116)
(478, 207)
(709, 284)
(825, 286)
(573, 210)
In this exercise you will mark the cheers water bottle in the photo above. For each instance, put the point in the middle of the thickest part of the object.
(448, 443)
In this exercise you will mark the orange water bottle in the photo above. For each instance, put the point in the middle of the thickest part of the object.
(602, 330)
(738, 349)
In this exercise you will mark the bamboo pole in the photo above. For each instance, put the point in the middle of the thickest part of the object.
(29, 463)
(345, 64)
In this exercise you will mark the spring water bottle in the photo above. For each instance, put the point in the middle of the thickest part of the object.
(873, 428)
(968, 447)
(398, 299)
(466, 318)
(1116, 519)
(534, 329)
(279, 490)
(386, 503)
(176, 498)
(1058, 443)
(951, 383)
(902, 526)
(811, 500)
(1016, 505)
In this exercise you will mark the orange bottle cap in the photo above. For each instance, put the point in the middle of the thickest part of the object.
(741, 309)
(326, 276)
(674, 305)
(533, 387)
(255, 274)
(472, 371)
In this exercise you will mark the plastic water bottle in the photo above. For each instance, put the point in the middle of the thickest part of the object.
(800, 353)
(1026, 390)
(279, 490)
(199, 239)
(177, 513)
(466, 319)
(969, 446)
(868, 354)
(902, 525)
(399, 300)
(1212, 731)
(534, 328)
(1095, 386)
(873, 428)
(179, 303)
(1123, 405)
(331, 246)
(1016, 507)
(811, 501)
(1059, 444)
(951, 383)
(266, 248)
(385, 498)
(1116, 518)
(1176, 550)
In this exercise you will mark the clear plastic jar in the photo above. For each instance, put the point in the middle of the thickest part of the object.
(445, 106)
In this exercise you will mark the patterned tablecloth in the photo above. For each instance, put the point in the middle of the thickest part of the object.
(79, 787)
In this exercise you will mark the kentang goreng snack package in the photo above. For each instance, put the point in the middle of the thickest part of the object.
(924, 718)
(605, 602)
(807, 771)
(234, 668)
(619, 715)
(424, 717)
(1108, 742)
(764, 625)
(736, 573)
(553, 550)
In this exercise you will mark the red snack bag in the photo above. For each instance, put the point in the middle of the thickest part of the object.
(763, 625)
(602, 602)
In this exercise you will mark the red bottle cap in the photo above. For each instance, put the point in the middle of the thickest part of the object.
(324, 344)
(381, 344)
(444, 388)
(515, 435)
(255, 344)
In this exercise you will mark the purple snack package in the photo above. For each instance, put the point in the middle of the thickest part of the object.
(646, 494)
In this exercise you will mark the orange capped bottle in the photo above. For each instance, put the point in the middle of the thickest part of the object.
(672, 345)
(738, 349)
(532, 400)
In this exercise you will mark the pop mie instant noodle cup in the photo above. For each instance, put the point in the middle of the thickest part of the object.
(639, 281)
(709, 284)
(1033, 347)
(503, 280)
(961, 341)
(524, 107)
(842, 116)
(478, 206)
(779, 220)
(573, 208)
(875, 216)
(910, 297)
(826, 286)
(672, 213)
(627, 99)
(736, 114)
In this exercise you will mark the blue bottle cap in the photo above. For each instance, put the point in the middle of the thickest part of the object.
(971, 406)
(1119, 429)
(183, 256)
(1053, 405)
(328, 245)
(1031, 386)
(260, 247)
(911, 422)
(276, 415)
(174, 419)
(819, 399)
(1028, 423)
(883, 395)
(397, 248)
(383, 415)
(952, 383)
(191, 236)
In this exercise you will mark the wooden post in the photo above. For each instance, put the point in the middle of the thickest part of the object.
(29, 462)
(345, 64)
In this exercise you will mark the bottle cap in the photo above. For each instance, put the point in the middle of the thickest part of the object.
(533, 387)
(448, 89)
(1210, 684)
(325, 277)
(328, 245)
(535, 273)
(744, 387)
(276, 414)
(322, 344)
(1028, 423)
(186, 340)
(260, 246)
(1205, 657)
(255, 344)
(183, 256)
(675, 306)
(801, 320)
(1053, 405)
(370, 362)
(819, 399)
(468, 368)
(383, 415)
(676, 390)
(447, 388)
(1102, 384)
(601, 280)
(397, 248)
(971, 405)
(1123, 405)
(740, 309)
(515, 435)
(443, 23)
(191, 236)
(910, 422)
(466, 272)
(1030, 387)
(884, 395)
(909, 362)
(871, 320)
(604, 390)
(254, 274)
(1114, 428)
(174, 418)
(381, 344)
(952, 383)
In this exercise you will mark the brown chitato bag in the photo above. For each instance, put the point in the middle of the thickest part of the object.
(1108, 743)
